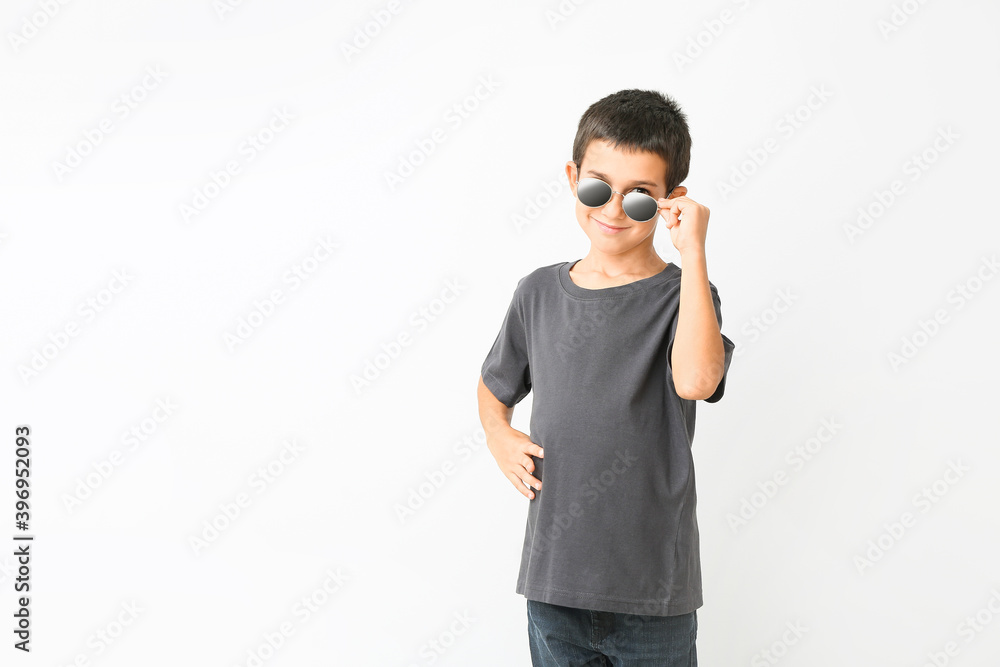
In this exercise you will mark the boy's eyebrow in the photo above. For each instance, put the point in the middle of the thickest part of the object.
(633, 183)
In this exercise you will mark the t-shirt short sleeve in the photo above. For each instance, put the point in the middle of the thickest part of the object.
(727, 344)
(506, 372)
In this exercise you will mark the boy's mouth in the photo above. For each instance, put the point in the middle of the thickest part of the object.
(608, 228)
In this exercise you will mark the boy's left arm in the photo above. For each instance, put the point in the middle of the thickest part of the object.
(698, 356)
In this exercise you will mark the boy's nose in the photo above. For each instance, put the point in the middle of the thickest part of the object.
(613, 209)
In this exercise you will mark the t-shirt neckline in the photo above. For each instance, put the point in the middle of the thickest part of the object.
(579, 292)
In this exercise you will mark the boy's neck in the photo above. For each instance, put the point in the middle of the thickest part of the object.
(638, 265)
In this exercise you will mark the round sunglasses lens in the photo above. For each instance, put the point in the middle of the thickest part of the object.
(639, 207)
(592, 192)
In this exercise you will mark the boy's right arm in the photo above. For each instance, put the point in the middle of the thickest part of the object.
(511, 448)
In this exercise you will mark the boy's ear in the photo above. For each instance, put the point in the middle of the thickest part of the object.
(679, 191)
(571, 176)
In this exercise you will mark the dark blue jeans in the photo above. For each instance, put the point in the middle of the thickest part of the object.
(569, 637)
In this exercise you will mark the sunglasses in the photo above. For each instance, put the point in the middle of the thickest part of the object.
(594, 193)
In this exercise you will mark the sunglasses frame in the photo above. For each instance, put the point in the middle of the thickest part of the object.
(613, 193)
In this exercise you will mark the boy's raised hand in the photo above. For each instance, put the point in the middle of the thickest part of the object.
(687, 235)
(513, 450)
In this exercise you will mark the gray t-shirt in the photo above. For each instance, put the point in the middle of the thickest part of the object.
(614, 526)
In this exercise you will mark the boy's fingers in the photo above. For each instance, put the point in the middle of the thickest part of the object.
(529, 480)
(669, 209)
(667, 202)
(534, 449)
(519, 485)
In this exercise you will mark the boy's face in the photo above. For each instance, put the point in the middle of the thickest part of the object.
(607, 227)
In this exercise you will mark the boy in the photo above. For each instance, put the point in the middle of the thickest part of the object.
(618, 347)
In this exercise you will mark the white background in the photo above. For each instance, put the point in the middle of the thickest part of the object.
(331, 516)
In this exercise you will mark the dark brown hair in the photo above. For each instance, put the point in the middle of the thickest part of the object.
(644, 120)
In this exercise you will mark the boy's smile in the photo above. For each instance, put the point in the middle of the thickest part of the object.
(608, 229)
